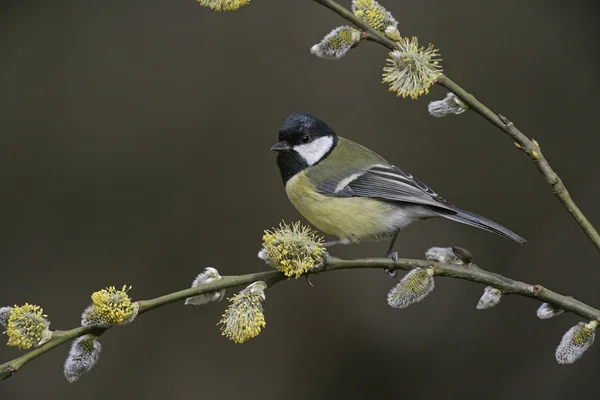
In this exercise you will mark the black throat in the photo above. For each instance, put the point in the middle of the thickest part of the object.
(290, 162)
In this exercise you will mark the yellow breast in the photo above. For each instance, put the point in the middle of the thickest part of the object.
(352, 219)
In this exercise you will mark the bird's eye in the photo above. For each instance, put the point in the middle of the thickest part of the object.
(305, 139)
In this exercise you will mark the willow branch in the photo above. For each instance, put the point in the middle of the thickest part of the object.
(470, 272)
(527, 145)
(532, 149)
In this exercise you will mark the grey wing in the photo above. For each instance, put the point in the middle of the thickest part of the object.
(386, 182)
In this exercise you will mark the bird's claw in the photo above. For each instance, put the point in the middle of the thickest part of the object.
(392, 271)
(318, 268)
(308, 281)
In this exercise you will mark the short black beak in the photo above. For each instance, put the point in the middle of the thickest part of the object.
(281, 146)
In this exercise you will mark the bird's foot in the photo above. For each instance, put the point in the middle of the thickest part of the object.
(317, 268)
(392, 271)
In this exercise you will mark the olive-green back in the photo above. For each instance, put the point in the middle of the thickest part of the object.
(346, 159)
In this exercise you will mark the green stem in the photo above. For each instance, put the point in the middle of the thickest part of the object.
(532, 149)
(528, 146)
(270, 277)
(469, 272)
(58, 338)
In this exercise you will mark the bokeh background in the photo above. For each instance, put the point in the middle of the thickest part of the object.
(134, 149)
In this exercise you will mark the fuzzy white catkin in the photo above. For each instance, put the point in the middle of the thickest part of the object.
(337, 43)
(575, 342)
(449, 105)
(83, 355)
(491, 297)
(4, 315)
(209, 275)
(373, 14)
(413, 287)
(443, 255)
(90, 318)
(547, 311)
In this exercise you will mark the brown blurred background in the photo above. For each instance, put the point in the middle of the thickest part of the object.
(134, 148)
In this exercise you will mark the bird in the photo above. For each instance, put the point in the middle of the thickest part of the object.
(348, 191)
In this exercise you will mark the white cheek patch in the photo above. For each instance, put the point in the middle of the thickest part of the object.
(314, 151)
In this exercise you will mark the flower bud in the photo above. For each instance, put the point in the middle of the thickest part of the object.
(337, 43)
(491, 297)
(451, 104)
(393, 33)
(462, 254)
(547, 311)
(4, 315)
(443, 254)
(83, 355)
(413, 287)
(209, 275)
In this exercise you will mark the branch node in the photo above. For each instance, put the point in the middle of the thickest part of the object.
(536, 289)
(504, 120)
(319, 267)
(7, 372)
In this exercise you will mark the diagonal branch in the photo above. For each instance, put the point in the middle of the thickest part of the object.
(532, 149)
(527, 145)
(470, 272)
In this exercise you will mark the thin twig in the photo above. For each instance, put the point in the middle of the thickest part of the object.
(528, 146)
(466, 272)
(532, 149)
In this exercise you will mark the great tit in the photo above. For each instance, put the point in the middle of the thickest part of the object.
(348, 191)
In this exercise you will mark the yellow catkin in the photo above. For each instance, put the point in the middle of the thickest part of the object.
(112, 306)
(244, 318)
(27, 326)
(374, 14)
(412, 69)
(582, 335)
(223, 5)
(292, 249)
(414, 287)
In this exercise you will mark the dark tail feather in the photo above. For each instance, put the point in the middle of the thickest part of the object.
(478, 221)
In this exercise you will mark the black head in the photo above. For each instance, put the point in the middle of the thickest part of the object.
(304, 140)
